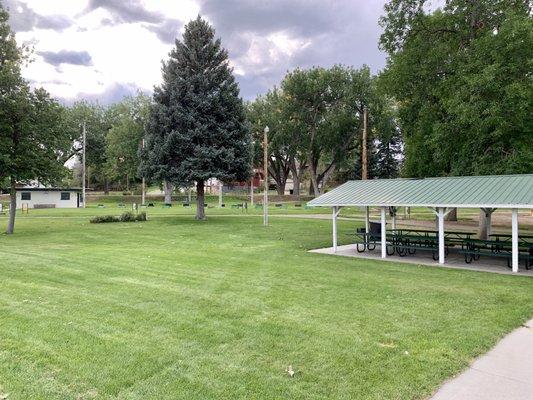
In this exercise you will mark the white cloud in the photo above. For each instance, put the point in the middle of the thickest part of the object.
(121, 53)
(125, 41)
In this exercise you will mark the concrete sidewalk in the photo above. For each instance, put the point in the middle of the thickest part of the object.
(504, 373)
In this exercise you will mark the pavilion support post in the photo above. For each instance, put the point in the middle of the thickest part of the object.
(336, 211)
(440, 216)
(334, 219)
(383, 232)
(514, 239)
(367, 219)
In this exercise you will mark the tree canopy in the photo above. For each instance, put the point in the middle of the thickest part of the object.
(127, 121)
(315, 121)
(33, 142)
(462, 78)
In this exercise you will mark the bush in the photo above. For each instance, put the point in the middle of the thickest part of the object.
(141, 216)
(128, 216)
(104, 219)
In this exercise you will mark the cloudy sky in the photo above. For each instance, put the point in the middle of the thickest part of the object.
(105, 49)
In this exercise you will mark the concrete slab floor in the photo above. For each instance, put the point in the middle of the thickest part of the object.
(453, 260)
(504, 373)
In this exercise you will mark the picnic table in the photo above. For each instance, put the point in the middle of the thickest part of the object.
(408, 241)
(473, 249)
(505, 237)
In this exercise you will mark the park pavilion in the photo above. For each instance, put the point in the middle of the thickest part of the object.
(441, 195)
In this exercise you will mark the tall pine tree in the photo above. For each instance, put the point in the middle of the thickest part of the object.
(197, 128)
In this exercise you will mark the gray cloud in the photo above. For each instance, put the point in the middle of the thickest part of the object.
(334, 32)
(111, 94)
(301, 17)
(166, 31)
(23, 19)
(126, 11)
(67, 57)
(328, 32)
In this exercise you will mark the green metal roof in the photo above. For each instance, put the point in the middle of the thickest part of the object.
(500, 191)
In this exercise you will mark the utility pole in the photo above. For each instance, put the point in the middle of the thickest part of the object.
(265, 166)
(364, 155)
(220, 189)
(83, 165)
(143, 190)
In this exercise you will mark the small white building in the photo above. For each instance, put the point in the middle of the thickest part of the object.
(39, 197)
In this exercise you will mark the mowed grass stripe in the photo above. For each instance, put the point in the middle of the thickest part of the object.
(175, 308)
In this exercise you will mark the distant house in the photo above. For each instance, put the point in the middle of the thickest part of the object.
(39, 197)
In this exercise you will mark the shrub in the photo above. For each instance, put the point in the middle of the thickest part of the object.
(141, 216)
(128, 216)
(104, 219)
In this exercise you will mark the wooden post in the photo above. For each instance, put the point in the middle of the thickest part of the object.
(364, 155)
(143, 185)
(83, 165)
(265, 166)
(252, 192)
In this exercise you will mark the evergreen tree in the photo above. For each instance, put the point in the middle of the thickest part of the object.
(197, 128)
(386, 153)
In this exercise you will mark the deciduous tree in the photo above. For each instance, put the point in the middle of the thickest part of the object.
(462, 79)
(33, 142)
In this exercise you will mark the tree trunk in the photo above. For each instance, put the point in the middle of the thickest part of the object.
(167, 187)
(314, 181)
(452, 215)
(485, 216)
(296, 172)
(200, 211)
(295, 185)
(280, 186)
(324, 177)
(106, 186)
(12, 207)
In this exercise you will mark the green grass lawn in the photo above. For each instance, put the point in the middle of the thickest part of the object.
(179, 309)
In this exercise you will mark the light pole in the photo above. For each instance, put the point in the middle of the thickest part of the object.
(265, 166)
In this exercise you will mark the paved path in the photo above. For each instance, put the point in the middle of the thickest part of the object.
(504, 373)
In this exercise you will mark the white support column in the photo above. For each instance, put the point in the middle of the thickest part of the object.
(367, 219)
(383, 232)
(334, 219)
(441, 234)
(394, 210)
(514, 236)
